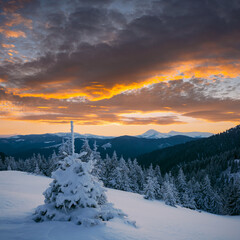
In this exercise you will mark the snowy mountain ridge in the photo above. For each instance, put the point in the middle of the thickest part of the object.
(153, 134)
(150, 134)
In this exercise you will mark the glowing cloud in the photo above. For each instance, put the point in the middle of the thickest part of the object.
(12, 33)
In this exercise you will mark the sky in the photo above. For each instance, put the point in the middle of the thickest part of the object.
(119, 67)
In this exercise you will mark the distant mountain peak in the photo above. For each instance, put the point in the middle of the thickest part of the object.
(151, 133)
(154, 134)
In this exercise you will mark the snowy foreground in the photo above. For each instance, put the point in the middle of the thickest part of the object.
(21, 192)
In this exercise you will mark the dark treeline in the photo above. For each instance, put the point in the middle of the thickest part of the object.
(209, 184)
(223, 171)
(170, 157)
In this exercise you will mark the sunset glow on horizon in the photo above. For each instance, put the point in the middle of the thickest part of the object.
(119, 67)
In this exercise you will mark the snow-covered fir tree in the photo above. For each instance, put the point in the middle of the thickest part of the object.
(53, 163)
(133, 176)
(122, 178)
(158, 175)
(98, 166)
(139, 175)
(111, 165)
(185, 197)
(11, 163)
(210, 199)
(76, 195)
(232, 201)
(151, 188)
(191, 197)
(168, 194)
(87, 150)
(37, 170)
(169, 191)
(65, 149)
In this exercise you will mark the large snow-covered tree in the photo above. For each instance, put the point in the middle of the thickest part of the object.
(76, 195)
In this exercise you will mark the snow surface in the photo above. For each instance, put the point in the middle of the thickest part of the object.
(153, 134)
(49, 142)
(21, 192)
(107, 145)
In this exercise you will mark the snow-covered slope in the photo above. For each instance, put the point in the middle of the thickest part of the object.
(20, 193)
(153, 134)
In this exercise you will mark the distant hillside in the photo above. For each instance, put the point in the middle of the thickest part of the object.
(202, 148)
(128, 146)
(24, 146)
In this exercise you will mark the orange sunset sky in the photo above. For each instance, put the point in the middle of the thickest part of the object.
(119, 67)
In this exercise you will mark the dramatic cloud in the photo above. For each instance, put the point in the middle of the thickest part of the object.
(93, 61)
(178, 97)
(12, 34)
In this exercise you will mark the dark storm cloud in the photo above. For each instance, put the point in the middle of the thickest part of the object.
(97, 44)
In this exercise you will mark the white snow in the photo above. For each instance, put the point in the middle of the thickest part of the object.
(107, 145)
(54, 146)
(153, 134)
(19, 140)
(191, 134)
(20, 193)
(49, 142)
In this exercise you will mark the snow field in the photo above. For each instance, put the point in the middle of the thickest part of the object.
(21, 193)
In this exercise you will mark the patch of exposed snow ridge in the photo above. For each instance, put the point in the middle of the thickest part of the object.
(107, 145)
(153, 134)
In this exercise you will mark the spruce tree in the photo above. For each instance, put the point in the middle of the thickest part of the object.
(134, 175)
(158, 175)
(112, 171)
(76, 195)
(168, 193)
(211, 200)
(185, 194)
(124, 180)
(151, 188)
(86, 149)
(98, 165)
(232, 201)
(37, 170)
